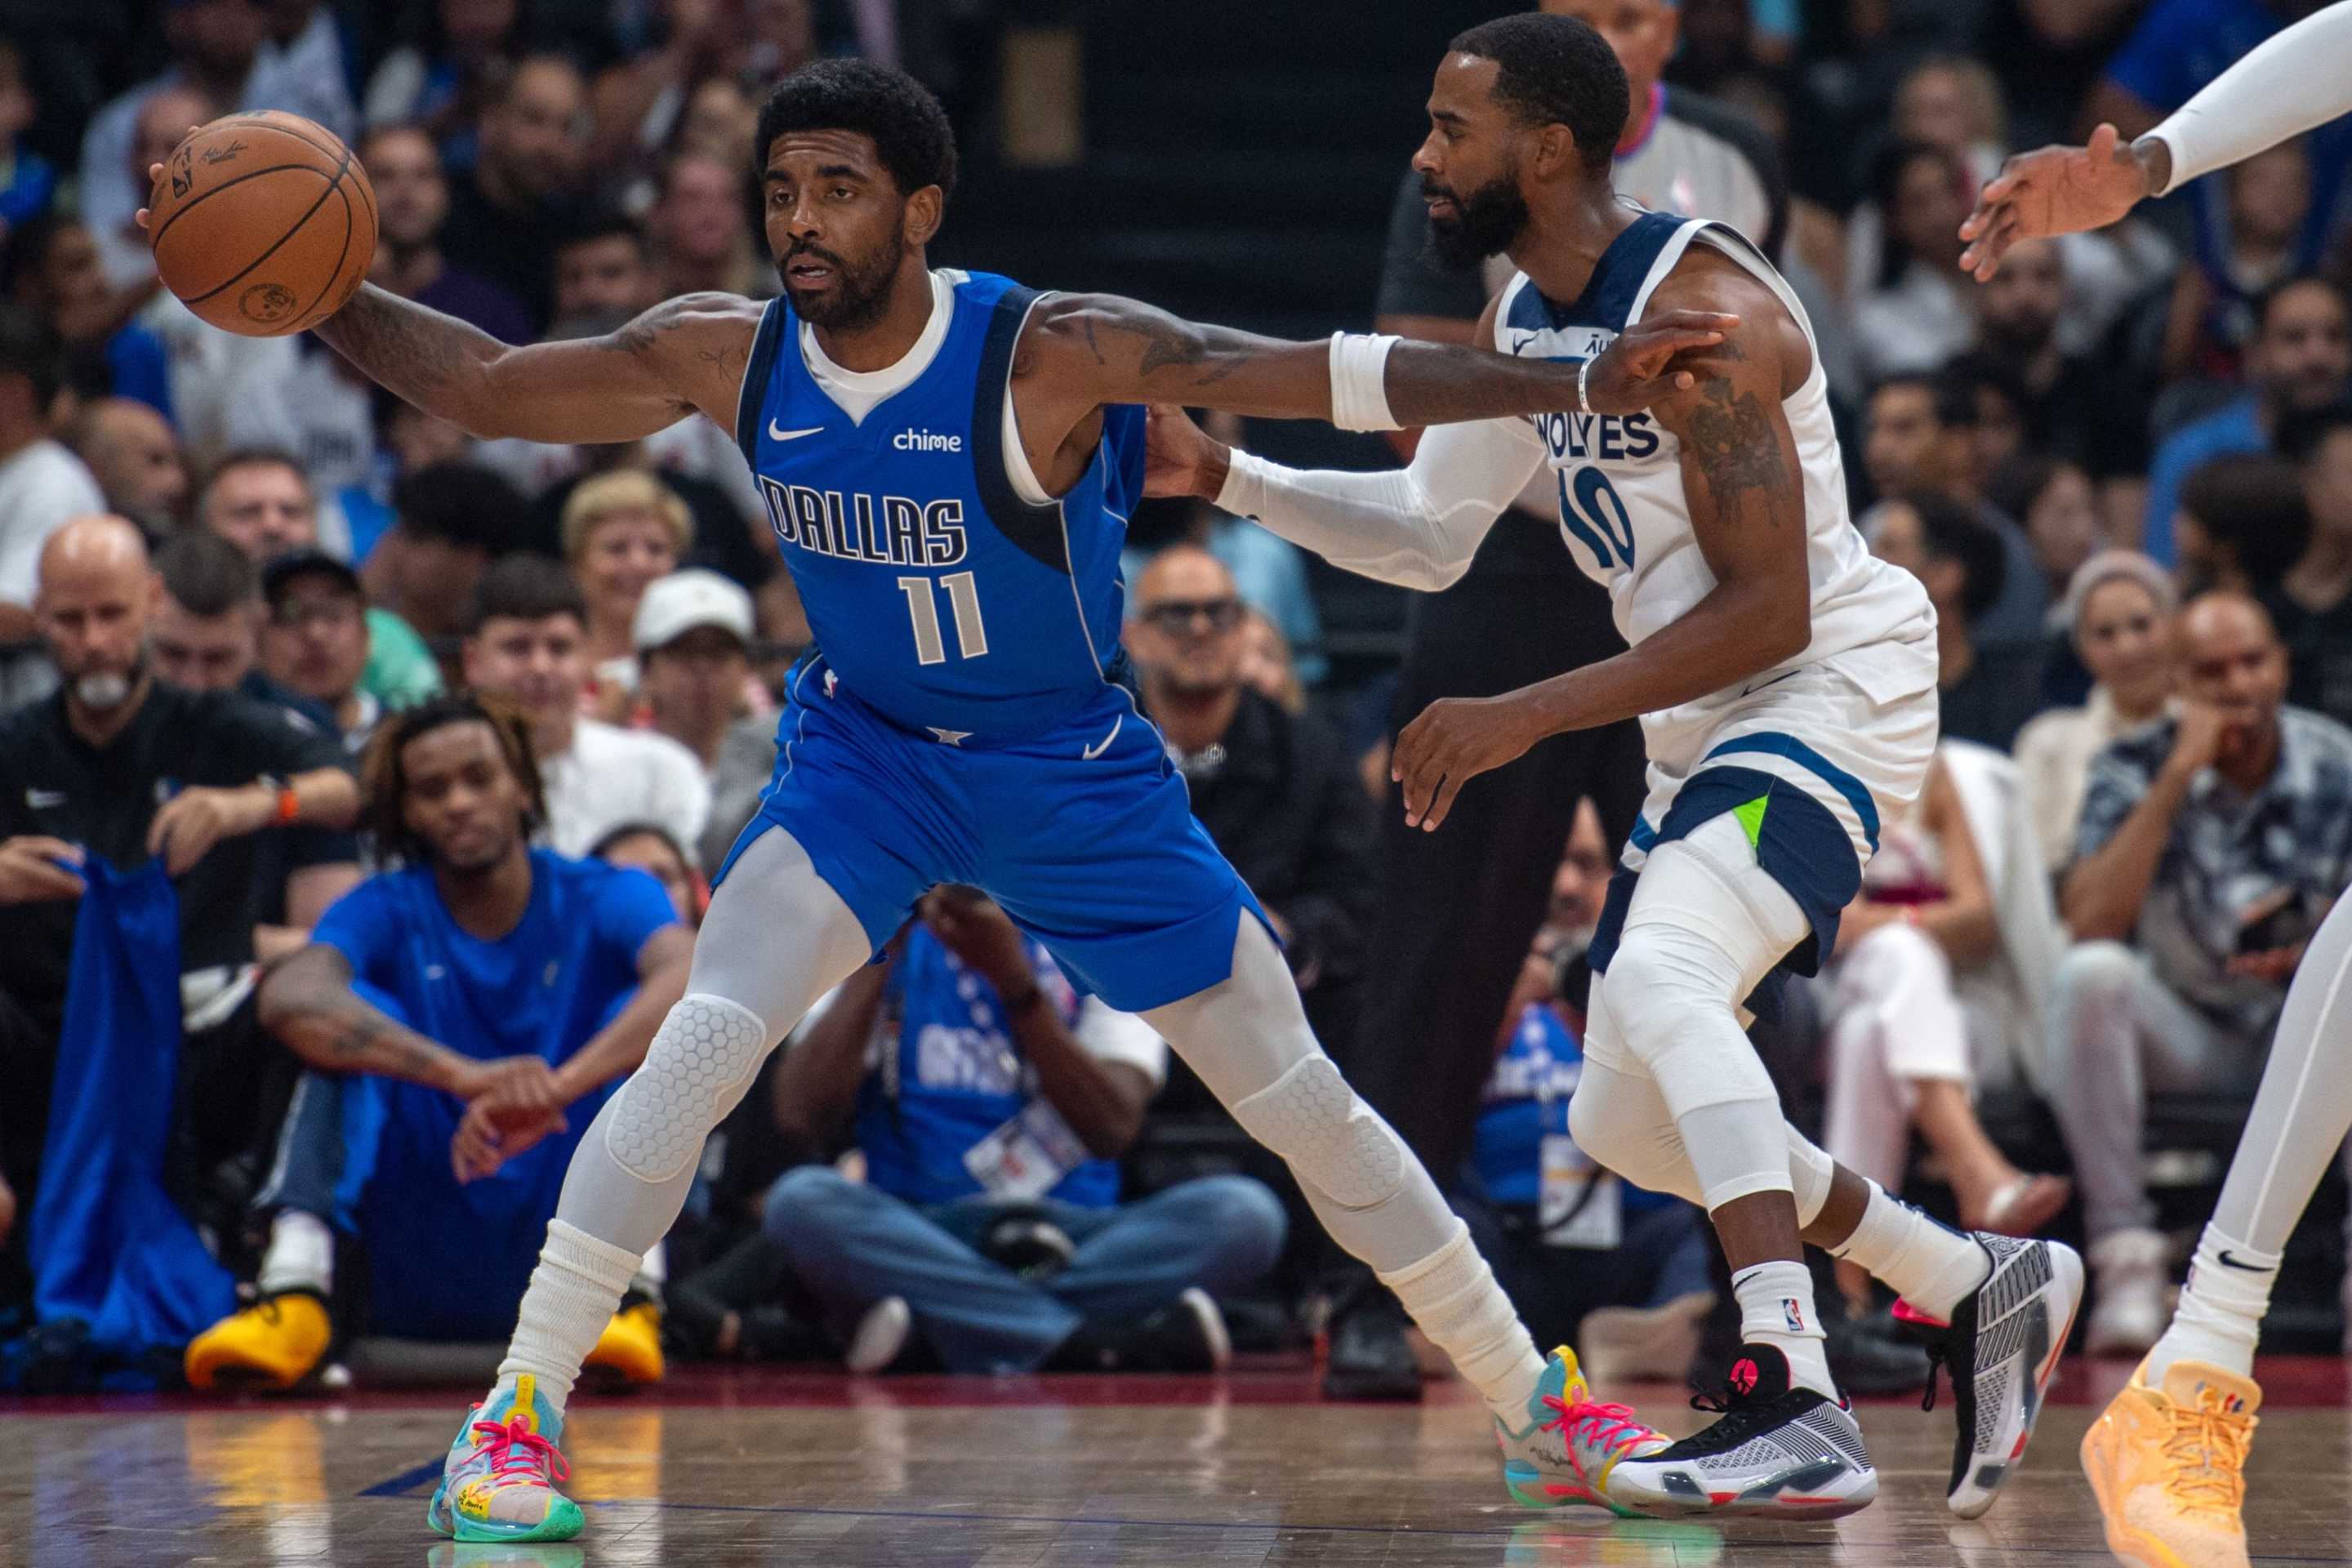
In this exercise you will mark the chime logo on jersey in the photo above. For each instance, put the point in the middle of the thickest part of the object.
(888, 531)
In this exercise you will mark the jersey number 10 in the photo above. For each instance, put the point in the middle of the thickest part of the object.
(963, 601)
(1596, 515)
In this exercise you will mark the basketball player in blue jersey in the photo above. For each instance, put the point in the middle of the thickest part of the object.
(948, 460)
(1785, 684)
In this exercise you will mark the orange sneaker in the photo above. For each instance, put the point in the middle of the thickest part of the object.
(274, 1343)
(2169, 1466)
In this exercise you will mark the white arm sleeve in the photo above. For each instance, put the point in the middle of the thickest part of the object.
(2294, 80)
(1416, 526)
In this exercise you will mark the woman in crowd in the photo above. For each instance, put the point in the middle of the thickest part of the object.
(2120, 605)
(1915, 314)
(621, 531)
(649, 847)
(2052, 498)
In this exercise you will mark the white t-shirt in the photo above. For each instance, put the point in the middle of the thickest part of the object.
(40, 488)
(611, 776)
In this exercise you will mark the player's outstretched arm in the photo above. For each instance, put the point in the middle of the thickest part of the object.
(1746, 499)
(2293, 80)
(1081, 350)
(684, 354)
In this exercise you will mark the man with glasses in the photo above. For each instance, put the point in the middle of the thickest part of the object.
(314, 640)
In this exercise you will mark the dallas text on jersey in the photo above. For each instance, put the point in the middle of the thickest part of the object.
(888, 530)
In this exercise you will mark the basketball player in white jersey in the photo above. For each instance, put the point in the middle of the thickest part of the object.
(2166, 1458)
(1787, 687)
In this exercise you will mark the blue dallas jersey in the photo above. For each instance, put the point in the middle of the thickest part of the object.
(941, 598)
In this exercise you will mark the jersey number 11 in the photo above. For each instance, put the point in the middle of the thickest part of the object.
(963, 601)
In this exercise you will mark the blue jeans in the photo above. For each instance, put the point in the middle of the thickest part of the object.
(851, 1246)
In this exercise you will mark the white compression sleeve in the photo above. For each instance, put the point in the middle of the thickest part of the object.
(1416, 526)
(2283, 88)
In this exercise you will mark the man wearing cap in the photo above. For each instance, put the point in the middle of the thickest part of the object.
(315, 640)
(693, 638)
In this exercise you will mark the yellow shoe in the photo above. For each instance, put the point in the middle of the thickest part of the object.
(630, 1347)
(2169, 1466)
(274, 1343)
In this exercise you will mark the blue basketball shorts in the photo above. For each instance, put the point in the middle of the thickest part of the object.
(1084, 834)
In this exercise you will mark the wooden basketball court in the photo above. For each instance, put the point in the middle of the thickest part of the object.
(770, 1467)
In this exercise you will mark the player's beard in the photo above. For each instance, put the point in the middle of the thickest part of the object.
(104, 690)
(860, 294)
(1487, 221)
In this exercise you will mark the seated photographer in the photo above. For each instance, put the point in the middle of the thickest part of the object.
(991, 1102)
(466, 1015)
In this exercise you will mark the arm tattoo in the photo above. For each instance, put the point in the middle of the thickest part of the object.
(409, 349)
(1731, 438)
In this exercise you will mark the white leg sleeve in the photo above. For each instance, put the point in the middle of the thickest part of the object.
(1248, 1039)
(1706, 924)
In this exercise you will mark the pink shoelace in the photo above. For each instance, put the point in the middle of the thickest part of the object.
(1610, 1427)
(517, 1453)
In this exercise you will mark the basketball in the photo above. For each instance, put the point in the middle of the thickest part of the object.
(263, 224)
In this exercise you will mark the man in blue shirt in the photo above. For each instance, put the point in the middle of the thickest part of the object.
(989, 1099)
(2300, 359)
(485, 997)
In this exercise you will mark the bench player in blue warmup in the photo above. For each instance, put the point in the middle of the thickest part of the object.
(947, 459)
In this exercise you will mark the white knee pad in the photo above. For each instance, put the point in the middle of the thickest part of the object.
(1335, 1143)
(702, 1058)
(1623, 1125)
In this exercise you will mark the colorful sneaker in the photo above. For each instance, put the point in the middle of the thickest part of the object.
(2169, 1466)
(498, 1483)
(1570, 1444)
(629, 1351)
(2000, 1347)
(1787, 1452)
(274, 1343)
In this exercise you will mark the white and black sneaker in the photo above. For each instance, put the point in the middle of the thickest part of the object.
(1788, 1453)
(2002, 1347)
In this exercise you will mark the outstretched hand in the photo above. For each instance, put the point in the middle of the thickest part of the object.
(1652, 358)
(2053, 190)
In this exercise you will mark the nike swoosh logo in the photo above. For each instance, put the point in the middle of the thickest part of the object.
(1519, 340)
(778, 432)
(1091, 752)
(1760, 685)
(2230, 1262)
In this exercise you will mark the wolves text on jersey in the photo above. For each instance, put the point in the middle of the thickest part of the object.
(1609, 437)
(888, 530)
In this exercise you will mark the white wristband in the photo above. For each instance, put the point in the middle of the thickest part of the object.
(1359, 393)
(1583, 378)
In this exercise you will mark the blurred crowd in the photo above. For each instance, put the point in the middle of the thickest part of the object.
(362, 783)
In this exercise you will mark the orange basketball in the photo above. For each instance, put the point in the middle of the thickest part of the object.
(263, 224)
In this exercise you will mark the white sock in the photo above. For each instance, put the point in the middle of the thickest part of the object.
(573, 1292)
(1929, 1266)
(2219, 1318)
(1452, 1296)
(1776, 1308)
(301, 1255)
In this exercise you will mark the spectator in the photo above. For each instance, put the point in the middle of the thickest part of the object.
(412, 197)
(315, 638)
(214, 46)
(2073, 406)
(694, 646)
(2052, 500)
(53, 271)
(41, 485)
(1267, 666)
(700, 232)
(303, 65)
(622, 531)
(1988, 692)
(2252, 232)
(260, 500)
(244, 807)
(2120, 609)
(604, 266)
(2211, 844)
(443, 81)
(485, 998)
(207, 629)
(2301, 359)
(1904, 1049)
(2243, 522)
(693, 461)
(507, 213)
(135, 458)
(652, 850)
(644, 103)
(1619, 1271)
(529, 644)
(1916, 312)
(1275, 790)
(28, 183)
(2312, 605)
(1918, 436)
(991, 1102)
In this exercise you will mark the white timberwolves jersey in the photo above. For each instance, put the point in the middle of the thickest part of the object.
(1622, 508)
